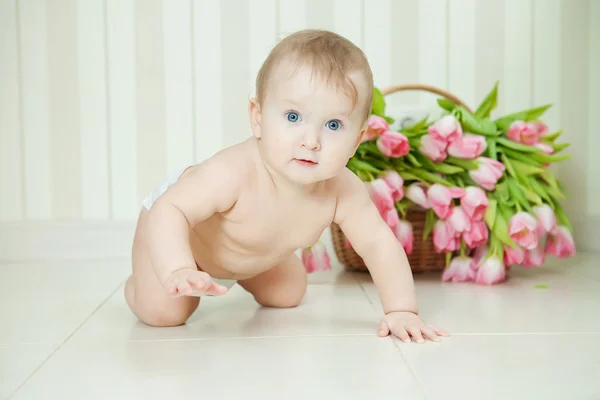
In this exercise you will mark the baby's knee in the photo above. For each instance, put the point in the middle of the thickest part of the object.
(284, 296)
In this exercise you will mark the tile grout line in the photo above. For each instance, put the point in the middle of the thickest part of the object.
(112, 293)
(410, 368)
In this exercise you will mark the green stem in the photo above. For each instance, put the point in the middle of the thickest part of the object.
(463, 247)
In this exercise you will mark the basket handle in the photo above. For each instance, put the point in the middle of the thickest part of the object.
(427, 88)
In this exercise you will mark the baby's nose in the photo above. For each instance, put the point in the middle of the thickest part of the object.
(311, 141)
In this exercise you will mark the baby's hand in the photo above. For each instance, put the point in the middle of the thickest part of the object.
(191, 282)
(403, 324)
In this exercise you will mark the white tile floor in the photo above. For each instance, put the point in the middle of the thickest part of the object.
(67, 333)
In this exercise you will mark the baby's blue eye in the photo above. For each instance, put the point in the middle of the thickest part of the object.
(334, 125)
(293, 117)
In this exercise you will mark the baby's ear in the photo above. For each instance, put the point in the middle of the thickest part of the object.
(255, 115)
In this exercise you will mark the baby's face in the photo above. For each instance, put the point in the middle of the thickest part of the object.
(308, 129)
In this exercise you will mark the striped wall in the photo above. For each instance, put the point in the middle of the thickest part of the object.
(100, 99)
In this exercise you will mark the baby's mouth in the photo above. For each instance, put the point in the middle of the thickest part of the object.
(305, 161)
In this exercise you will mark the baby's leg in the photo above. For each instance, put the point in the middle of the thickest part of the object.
(146, 296)
(282, 286)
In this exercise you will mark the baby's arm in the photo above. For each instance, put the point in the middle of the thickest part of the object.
(385, 258)
(375, 242)
(209, 188)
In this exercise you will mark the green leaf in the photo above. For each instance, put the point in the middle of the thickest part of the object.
(378, 103)
(526, 169)
(411, 158)
(551, 137)
(530, 194)
(464, 164)
(389, 120)
(538, 189)
(356, 164)
(407, 176)
(518, 195)
(446, 104)
(429, 223)
(501, 230)
(492, 151)
(544, 158)
(402, 206)
(541, 286)
(448, 169)
(527, 115)
(524, 157)
(474, 125)
(418, 128)
(508, 165)
(502, 192)
(488, 104)
(490, 213)
(549, 178)
(429, 177)
(560, 147)
(562, 217)
(511, 144)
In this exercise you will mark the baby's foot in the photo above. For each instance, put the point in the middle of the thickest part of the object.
(189, 282)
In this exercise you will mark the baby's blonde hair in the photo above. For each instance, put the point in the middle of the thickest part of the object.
(331, 56)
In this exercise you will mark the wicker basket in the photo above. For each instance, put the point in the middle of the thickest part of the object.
(423, 257)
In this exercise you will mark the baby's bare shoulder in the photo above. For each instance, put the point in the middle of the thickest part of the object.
(228, 166)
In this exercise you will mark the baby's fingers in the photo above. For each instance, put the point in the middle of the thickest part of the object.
(216, 290)
(384, 329)
(416, 333)
(440, 331)
(430, 333)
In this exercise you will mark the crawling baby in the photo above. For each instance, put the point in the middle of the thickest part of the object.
(239, 216)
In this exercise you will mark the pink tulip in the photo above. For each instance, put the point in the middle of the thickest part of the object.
(534, 257)
(561, 244)
(316, 258)
(540, 127)
(479, 255)
(522, 228)
(459, 270)
(513, 256)
(490, 272)
(393, 144)
(404, 234)
(444, 237)
(546, 219)
(545, 147)
(396, 184)
(477, 236)
(391, 218)
(433, 148)
(474, 202)
(468, 147)
(446, 129)
(381, 194)
(377, 125)
(522, 132)
(458, 220)
(488, 173)
(416, 193)
(440, 197)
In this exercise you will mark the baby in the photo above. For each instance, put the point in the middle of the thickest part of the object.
(241, 215)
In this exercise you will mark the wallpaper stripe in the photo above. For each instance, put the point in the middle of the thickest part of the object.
(377, 44)
(179, 129)
(101, 99)
(11, 201)
(405, 50)
(517, 54)
(348, 20)
(593, 146)
(574, 111)
(235, 88)
(262, 25)
(292, 17)
(150, 95)
(489, 49)
(207, 76)
(93, 129)
(546, 58)
(433, 54)
(122, 108)
(461, 50)
(37, 138)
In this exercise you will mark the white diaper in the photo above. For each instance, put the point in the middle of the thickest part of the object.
(158, 191)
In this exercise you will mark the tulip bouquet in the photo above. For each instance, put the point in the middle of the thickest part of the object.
(491, 200)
